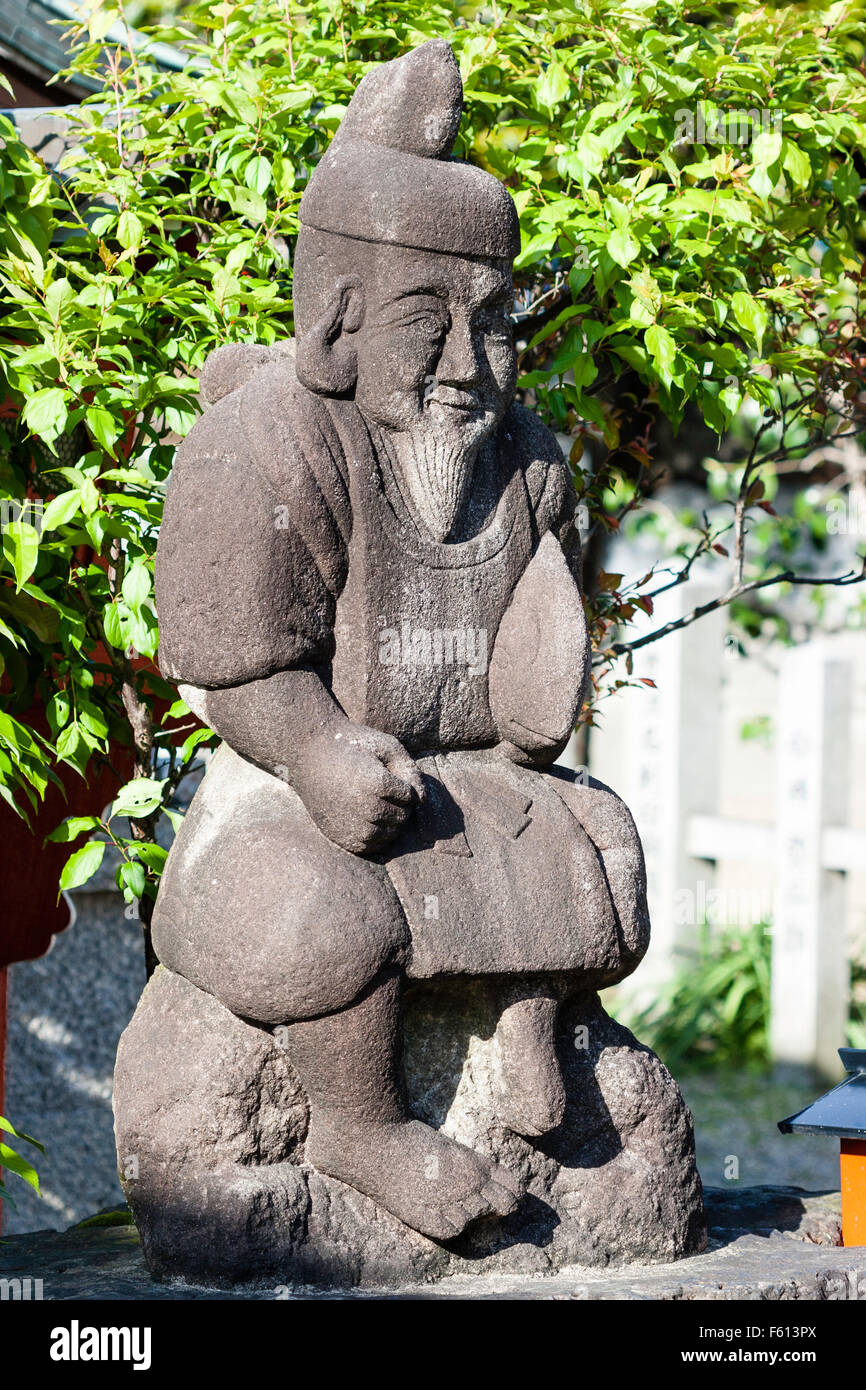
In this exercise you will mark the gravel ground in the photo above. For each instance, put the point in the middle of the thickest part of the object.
(735, 1118)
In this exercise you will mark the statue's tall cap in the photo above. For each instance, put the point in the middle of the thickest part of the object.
(387, 175)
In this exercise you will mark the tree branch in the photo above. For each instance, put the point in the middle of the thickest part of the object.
(736, 591)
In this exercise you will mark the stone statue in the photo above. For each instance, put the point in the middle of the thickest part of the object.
(373, 1050)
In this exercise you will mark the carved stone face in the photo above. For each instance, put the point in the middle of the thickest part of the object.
(435, 341)
(422, 341)
(436, 368)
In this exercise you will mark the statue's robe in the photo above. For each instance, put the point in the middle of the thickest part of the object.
(288, 541)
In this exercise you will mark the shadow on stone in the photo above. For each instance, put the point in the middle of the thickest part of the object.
(763, 1211)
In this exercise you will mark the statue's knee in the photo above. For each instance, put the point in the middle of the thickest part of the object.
(327, 956)
(604, 816)
(611, 828)
(298, 934)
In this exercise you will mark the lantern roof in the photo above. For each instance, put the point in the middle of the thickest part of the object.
(841, 1111)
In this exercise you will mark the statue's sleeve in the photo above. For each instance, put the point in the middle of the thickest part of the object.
(252, 552)
(549, 483)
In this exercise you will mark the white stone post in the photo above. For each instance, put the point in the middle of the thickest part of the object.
(670, 768)
(810, 969)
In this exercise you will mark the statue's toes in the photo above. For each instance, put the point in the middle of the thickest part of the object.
(502, 1193)
(442, 1223)
(532, 1113)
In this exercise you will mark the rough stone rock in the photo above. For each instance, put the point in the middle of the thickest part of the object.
(733, 1212)
(212, 1122)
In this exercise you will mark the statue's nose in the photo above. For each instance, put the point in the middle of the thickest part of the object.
(458, 364)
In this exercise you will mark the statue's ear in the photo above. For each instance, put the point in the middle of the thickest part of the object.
(326, 360)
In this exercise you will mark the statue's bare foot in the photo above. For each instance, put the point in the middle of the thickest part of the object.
(529, 1090)
(428, 1181)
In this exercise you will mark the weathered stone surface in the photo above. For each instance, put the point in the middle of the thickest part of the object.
(731, 1212)
(213, 1123)
(776, 1261)
(383, 179)
(368, 582)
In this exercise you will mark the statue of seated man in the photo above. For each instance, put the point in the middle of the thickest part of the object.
(368, 586)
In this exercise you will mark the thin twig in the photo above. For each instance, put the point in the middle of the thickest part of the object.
(736, 591)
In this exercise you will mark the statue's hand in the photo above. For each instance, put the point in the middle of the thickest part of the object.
(359, 785)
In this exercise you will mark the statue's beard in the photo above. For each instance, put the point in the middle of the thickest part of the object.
(437, 461)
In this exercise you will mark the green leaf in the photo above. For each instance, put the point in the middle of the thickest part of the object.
(132, 877)
(847, 184)
(12, 1161)
(663, 350)
(236, 100)
(82, 865)
(766, 148)
(190, 744)
(60, 509)
(129, 230)
(45, 412)
(154, 856)
(89, 496)
(19, 1134)
(622, 246)
(67, 742)
(69, 829)
(139, 797)
(36, 617)
(91, 719)
(136, 585)
(58, 710)
(112, 626)
(553, 86)
(796, 163)
(103, 426)
(557, 323)
(21, 548)
(247, 203)
(99, 21)
(58, 294)
(257, 175)
(750, 315)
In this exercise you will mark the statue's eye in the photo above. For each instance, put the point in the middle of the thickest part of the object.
(425, 321)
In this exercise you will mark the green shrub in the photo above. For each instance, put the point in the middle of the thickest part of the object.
(12, 1162)
(664, 265)
(716, 1009)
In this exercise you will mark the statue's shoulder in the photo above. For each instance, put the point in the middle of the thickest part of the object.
(241, 385)
(264, 438)
(536, 451)
(256, 414)
(234, 366)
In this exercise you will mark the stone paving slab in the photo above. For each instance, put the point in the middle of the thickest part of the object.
(788, 1251)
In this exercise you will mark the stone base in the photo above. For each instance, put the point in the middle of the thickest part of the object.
(790, 1251)
(211, 1121)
